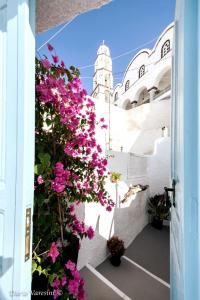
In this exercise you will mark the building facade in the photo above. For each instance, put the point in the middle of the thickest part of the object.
(137, 110)
(148, 75)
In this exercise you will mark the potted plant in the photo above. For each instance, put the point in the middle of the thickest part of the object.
(158, 208)
(115, 177)
(117, 249)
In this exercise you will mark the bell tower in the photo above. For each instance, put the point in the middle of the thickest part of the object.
(103, 78)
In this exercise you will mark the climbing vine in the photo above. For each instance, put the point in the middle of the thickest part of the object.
(69, 169)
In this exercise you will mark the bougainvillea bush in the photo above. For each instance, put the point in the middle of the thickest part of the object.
(69, 169)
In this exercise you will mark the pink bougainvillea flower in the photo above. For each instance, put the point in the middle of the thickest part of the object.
(56, 283)
(56, 293)
(55, 59)
(62, 64)
(46, 64)
(64, 281)
(76, 275)
(40, 180)
(81, 293)
(59, 169)
(53, 252)
(73, 287)
(90, 233)
(57, 187)
(109, 208)
(50, 47)
(70, 265)
(104, 126)
(71, 208)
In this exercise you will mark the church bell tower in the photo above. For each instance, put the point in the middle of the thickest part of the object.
(103, 78)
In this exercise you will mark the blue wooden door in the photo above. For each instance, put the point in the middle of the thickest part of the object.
(17, 47)
(185, 235)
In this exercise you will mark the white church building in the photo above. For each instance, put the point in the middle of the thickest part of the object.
(137, 109)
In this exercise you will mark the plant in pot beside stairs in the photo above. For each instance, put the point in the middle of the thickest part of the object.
(159, 209)
(117, 249)
(115, 177)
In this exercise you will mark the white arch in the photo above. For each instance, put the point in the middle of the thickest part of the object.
(138, 92)
(146, 51)
(127, 104)
(159, 74)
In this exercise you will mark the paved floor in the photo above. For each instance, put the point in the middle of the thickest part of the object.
(134, 282)
(96, 289)
(150, 250)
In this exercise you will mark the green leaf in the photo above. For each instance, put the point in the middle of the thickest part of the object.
(39, 269)
(38, 259)
(45, 272)
(36, 169)
(51, 278)
(48, 122)
(44, 158)
(34, 266)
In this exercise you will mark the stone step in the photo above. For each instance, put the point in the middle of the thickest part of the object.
(150, 249)
(97, 287)
(134, 281)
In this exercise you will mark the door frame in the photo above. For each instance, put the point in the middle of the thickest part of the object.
(185, 144)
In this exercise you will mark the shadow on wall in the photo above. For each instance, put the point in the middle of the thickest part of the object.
(5, 265)
(144, 126)
(159, 170)
(125, 221)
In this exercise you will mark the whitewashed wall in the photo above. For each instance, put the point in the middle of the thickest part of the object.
(153, 169)
(134, 168)
(125, 221)
(134, 130)
(159, 166)
(129, 218)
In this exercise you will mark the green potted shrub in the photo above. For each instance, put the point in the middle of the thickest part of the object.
(158, 208)
(115, 177)
(117, 249)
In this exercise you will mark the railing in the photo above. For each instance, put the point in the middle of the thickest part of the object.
(162, 92)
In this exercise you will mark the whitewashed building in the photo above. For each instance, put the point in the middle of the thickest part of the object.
(137, 143)
(147, 77)
(133, 126)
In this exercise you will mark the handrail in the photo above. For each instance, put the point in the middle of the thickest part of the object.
(162, 92)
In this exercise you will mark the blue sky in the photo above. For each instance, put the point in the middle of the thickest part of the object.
(123, 24)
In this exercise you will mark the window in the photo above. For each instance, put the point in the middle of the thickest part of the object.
(141, 71)
(116, 96)
(165, 48)
(127, 85)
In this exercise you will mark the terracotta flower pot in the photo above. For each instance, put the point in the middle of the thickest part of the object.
(157, 223)
(115, 260)
(114, 180)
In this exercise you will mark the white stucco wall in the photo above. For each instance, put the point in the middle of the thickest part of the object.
(159, 166)
(144, 125)
(128, 218)
(136, 129)
(126, 222)
(153, 170)
(134, 168)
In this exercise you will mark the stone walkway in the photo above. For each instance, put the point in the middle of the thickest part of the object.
(142, 275)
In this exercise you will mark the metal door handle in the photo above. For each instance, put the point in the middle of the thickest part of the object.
(173, 191)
